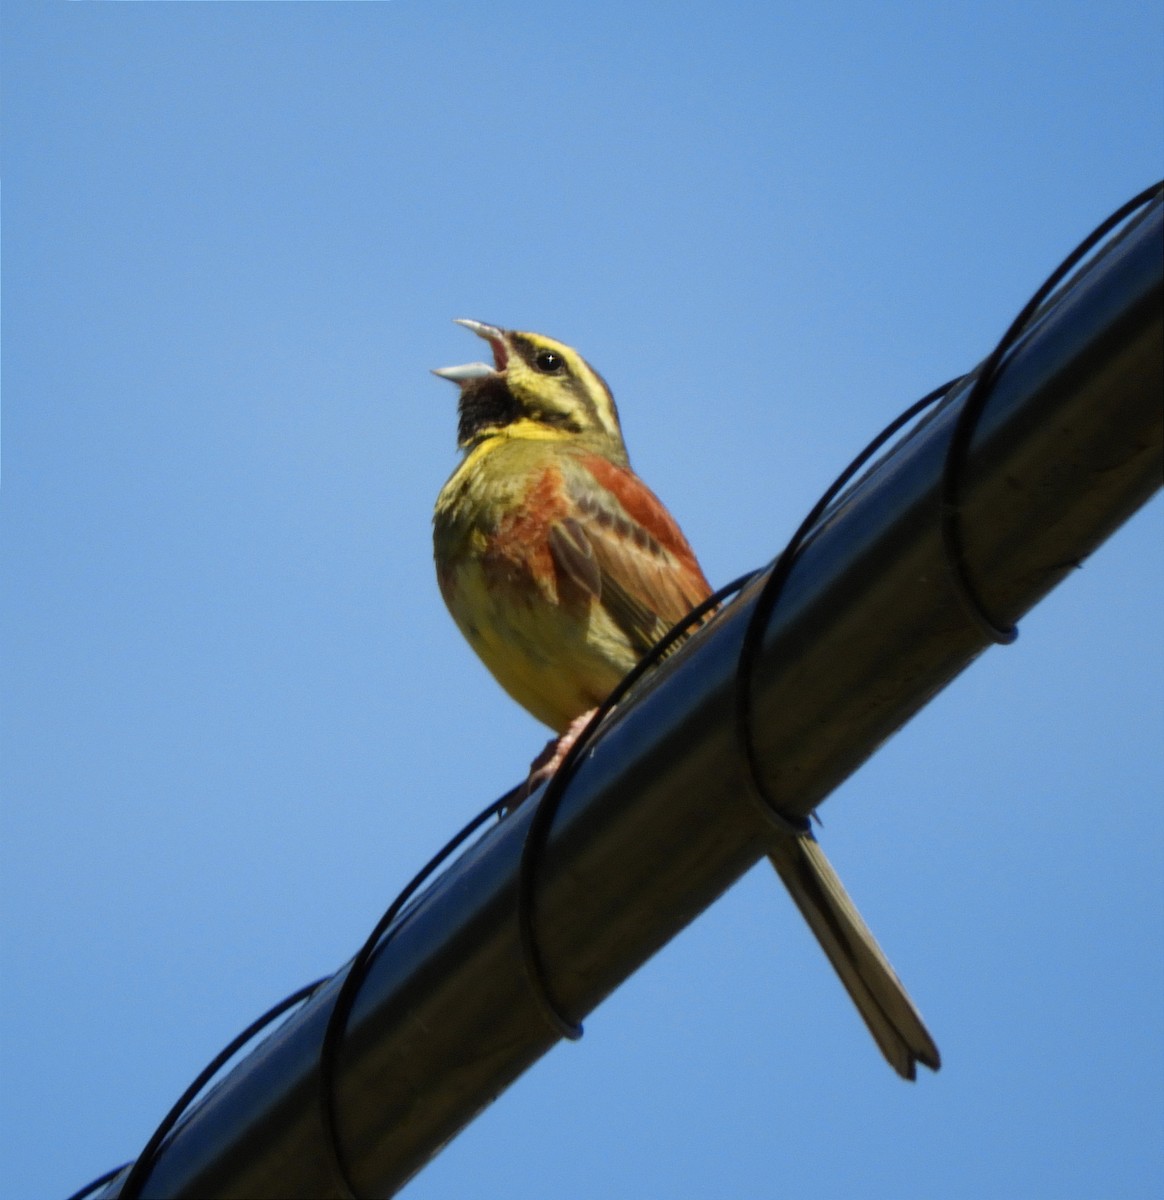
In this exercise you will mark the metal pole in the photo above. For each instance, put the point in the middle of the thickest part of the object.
(656, 823)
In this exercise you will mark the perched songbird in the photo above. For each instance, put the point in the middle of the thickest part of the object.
(562, 569)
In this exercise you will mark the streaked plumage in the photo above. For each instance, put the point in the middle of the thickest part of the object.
(562, 568)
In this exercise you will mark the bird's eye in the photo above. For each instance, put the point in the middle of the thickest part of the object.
(548, 362)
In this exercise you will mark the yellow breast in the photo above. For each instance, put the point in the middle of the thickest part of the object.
(553, 648)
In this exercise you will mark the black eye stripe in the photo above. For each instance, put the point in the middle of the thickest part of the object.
(558, 420)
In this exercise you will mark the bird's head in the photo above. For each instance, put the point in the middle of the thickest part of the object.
(536, 388)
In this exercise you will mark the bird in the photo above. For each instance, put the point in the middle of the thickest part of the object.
(562, 569)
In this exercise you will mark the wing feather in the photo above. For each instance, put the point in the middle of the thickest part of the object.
(622, 538)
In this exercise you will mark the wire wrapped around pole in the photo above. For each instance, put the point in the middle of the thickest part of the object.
(1066, 446)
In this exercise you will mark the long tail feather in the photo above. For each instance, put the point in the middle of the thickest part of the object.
(879, 995)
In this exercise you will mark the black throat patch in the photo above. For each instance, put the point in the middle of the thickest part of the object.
(485, 404)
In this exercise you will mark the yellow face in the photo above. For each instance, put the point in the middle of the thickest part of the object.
(557, 386)
(537, 388)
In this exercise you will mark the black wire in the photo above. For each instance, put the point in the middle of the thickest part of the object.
(537, 833)
(971, 411)
(550, 800)
(356, 973)
(551, 797)
(552, 794)
(766, 602)
(100, 1181)
(135, 1180)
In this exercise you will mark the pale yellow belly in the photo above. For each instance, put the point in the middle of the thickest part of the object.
(555, 664)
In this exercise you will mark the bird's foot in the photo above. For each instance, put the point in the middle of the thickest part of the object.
(543, 768)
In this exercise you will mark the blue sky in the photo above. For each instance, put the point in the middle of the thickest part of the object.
(236, 715)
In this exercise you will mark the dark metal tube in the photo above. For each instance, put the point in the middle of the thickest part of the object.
(657, 822)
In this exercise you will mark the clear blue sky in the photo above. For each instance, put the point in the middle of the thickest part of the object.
(237, 717)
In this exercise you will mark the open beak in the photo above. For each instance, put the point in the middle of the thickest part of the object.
(467, 372)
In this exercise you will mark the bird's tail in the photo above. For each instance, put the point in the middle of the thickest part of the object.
(879, 995)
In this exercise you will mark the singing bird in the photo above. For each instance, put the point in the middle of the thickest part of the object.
(562, 569)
